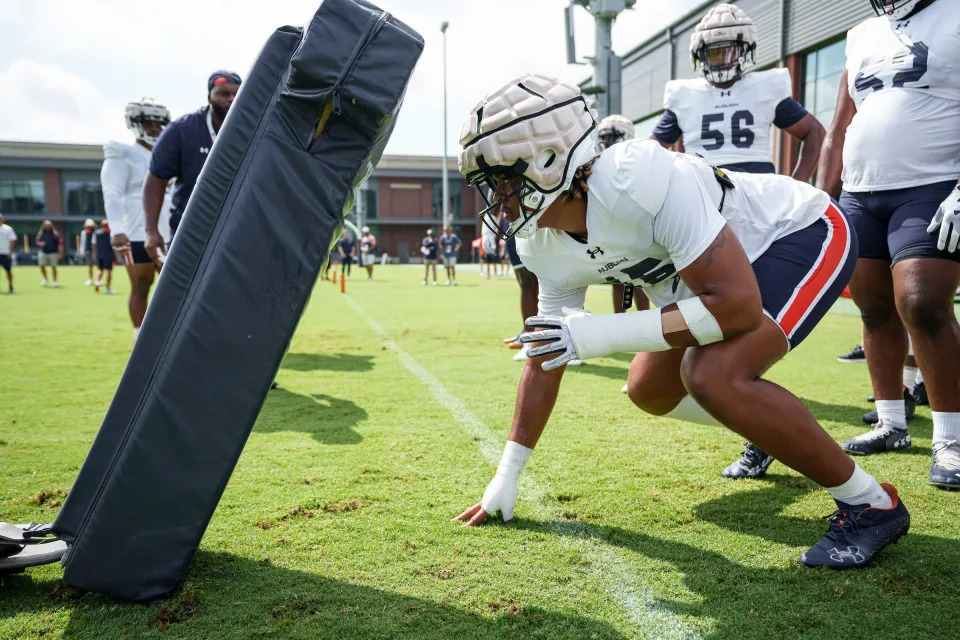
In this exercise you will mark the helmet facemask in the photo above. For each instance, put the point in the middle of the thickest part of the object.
(143, 111)
(896, 10)
(726, 61)
(498, 184)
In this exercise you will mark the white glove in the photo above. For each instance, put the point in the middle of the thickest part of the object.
(501, 493)
(948, 219)
(558, 336)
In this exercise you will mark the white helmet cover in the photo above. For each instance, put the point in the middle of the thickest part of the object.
(145, 110)
(615, 128)
(535, 127)
(725, 26)
(896, 9)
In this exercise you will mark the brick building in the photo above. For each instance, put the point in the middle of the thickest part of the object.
(61, 182)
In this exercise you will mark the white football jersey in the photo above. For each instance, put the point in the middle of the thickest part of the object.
(728, 126)
(122, 175)
(651, 213)
(904, 77)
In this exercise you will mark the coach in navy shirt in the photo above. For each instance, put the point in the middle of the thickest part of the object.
(180, 153)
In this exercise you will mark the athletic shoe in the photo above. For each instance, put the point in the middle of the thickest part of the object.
(883, 437)
(945, 471)
(857, 533)
(11, 290)
(109, 292)
(434, 283)
(909, 406)
(43, 282)
(98, 283)
(54, 284)
(753, 463)
(624, 389)
(424, 283)
(88, 283)
(369, 278)
(521, 356)
(454, 283)
(857, 355)
(575, 363)
(447, 283)
(920, 394)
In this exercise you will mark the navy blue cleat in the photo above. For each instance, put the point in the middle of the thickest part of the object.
(856, 355)
(945, 472)
(752, 463)
(857, 533)
(883, 437)
(909, 406)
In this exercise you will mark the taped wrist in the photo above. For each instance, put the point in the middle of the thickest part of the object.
(514, 459)
(601, 335)
(701, 323)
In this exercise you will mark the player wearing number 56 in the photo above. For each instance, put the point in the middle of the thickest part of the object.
(740, 266)
(726, 115)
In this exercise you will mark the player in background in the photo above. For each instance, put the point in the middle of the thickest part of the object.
(741, 267)
(8, 239)
(347, 249)
(368, 251)
(122, 175)
(726, 116)
(105, 256)
(86, 248)
(179, 154)
(893, 146)
(51, 245)
(490, 244)
(450, 246)
(428, 249)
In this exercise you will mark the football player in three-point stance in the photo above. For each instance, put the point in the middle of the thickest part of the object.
(726, 116)
(124, 170)
(894, 146)
(716, 252)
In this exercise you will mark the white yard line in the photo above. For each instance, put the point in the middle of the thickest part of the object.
(628, 589)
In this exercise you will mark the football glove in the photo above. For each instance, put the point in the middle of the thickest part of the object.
(947, 219)
(557, 335)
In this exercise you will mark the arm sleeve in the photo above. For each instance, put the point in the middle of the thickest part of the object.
(689, 220)
(789, 112)
(552, 299)
(667, 129)
(165, 159)
(113, 180)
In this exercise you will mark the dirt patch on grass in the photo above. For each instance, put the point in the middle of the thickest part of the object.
(340, 507)
(178, 609)
(46, 497)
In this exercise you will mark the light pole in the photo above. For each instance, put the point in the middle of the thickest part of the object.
(445, 204)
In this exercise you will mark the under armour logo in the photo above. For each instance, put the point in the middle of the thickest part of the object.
(204, 149)
(851, 552)
(725, 93)
(595, 252)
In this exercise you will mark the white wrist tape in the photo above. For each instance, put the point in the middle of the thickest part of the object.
(514, 459)
(601, 335)
(700, 321)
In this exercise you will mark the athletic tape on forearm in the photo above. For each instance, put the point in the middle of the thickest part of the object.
(514, 459)
(601, 335)
(700, 321)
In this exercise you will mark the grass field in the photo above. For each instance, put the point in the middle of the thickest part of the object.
(393, 405)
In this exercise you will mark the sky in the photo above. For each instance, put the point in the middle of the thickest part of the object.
(68, 67)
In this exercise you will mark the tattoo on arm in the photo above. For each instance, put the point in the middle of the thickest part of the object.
(716, 244)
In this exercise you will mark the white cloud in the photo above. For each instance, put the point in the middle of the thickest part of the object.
(89, 58)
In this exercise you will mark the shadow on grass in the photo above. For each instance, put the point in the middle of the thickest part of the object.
(909, 591)
(231, 597)
(327, 362)
(329, 420)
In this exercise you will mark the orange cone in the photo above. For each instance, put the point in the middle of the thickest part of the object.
(343, 283)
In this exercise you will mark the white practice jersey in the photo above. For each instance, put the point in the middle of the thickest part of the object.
(728, 126)
(651, 213)
(904, 77)
(124, 170)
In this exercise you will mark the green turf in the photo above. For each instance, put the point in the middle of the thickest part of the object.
(337, 521)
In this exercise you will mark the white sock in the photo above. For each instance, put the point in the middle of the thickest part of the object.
(862, 488)
(892, 412)
(918, 378)
(136, 333)
(909, 376)
(946, 426)
(690, 411)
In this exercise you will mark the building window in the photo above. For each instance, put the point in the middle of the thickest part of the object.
(453, 187)
(823, 69)
(22, 196)
(84, 198)
(367, 200)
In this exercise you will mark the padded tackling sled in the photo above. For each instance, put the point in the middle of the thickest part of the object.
(308, 125)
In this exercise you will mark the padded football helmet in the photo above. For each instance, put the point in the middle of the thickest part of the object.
(895, 9)
(724, 44)
(145, 110)
(614, 129)
(533, 128)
